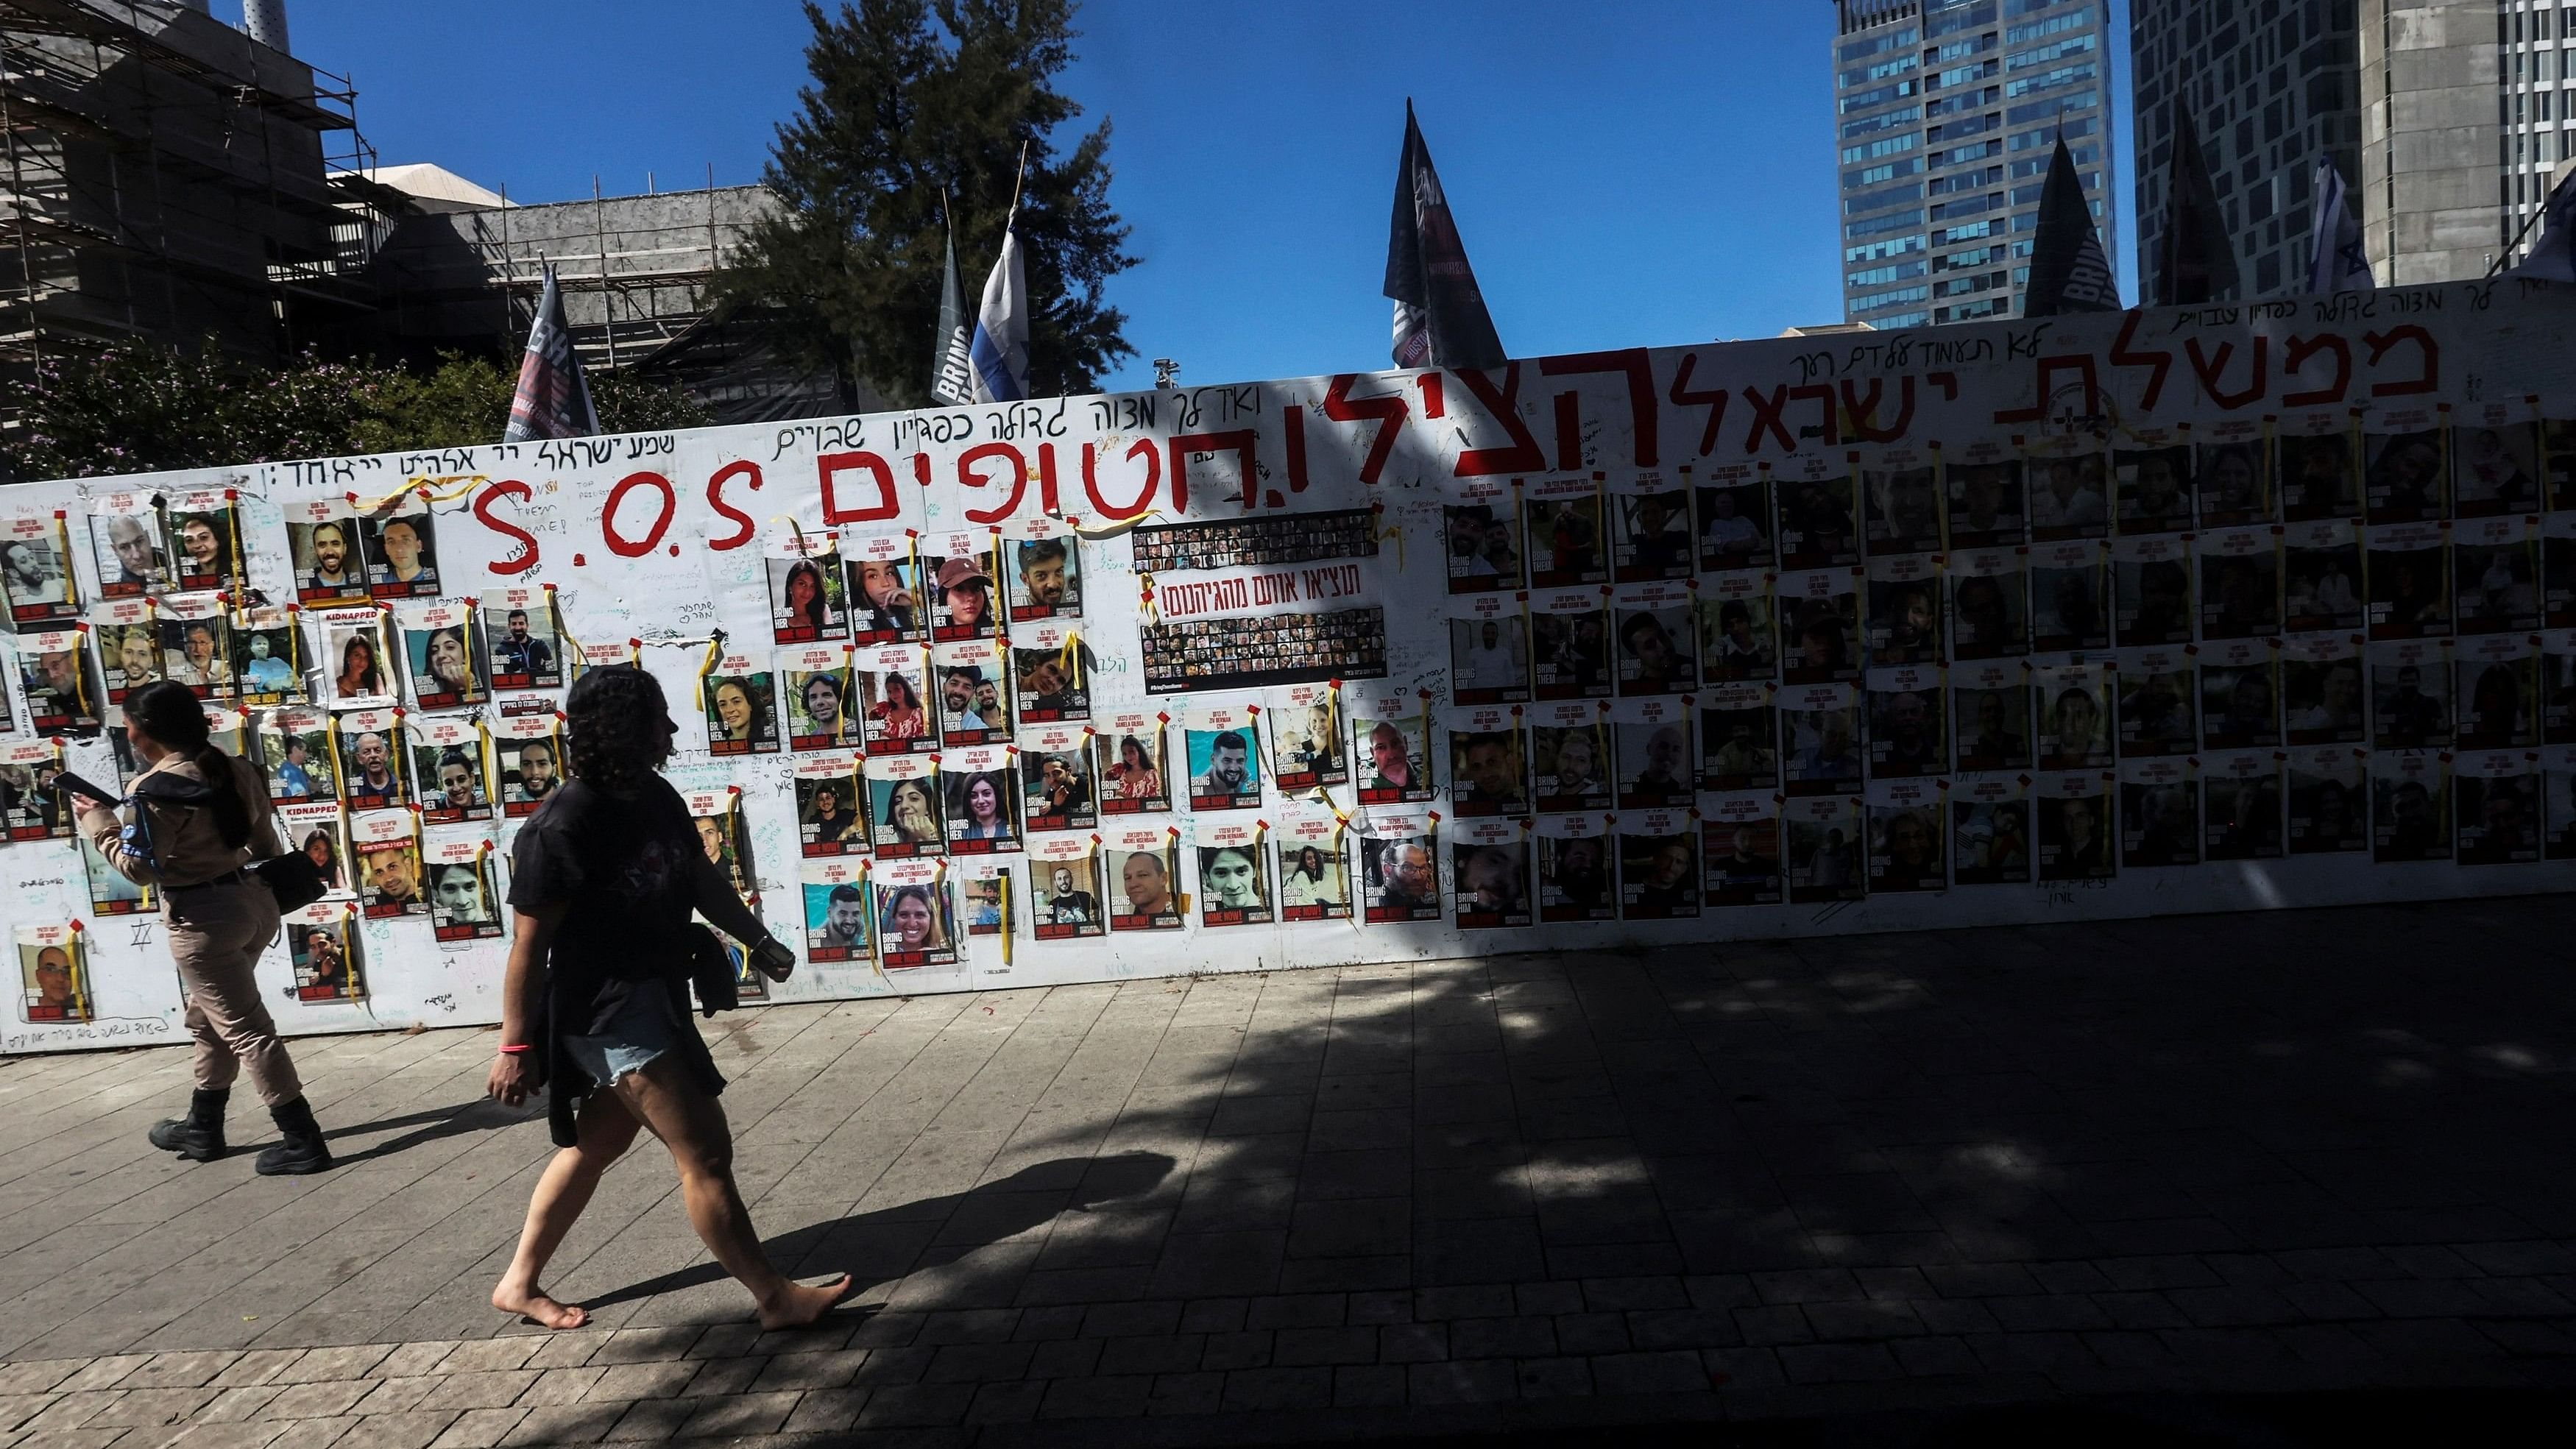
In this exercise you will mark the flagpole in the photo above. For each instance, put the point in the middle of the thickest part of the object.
(2507, 254)
(1016, 183)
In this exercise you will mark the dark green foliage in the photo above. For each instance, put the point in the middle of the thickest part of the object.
(910, 98)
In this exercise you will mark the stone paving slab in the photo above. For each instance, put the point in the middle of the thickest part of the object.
(2295, 1152)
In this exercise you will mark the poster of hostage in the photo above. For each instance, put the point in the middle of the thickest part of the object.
(1788, 621)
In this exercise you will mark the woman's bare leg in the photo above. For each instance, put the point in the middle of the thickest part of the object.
(607, 1128)
(692, 1124)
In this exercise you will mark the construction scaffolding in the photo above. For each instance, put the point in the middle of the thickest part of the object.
(168, 179)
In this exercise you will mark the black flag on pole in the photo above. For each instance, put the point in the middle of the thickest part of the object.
(2069, 272)
(2195, 262)
(1440, 316)
(952, 374)
(553, 400)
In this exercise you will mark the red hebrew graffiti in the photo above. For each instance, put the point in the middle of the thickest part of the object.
(2298, 351)
(830, 466)
(2426, 380)
(2157, 361)
(1862, 414)
(524, 557)
(2079, 363)
(618, 542)
(744, 529)
(2209, 369)
(1388, 412)
(1569, 432)
(1523, 456)
(1715, 401)
(1631, 363)
(1766, 418)
(1014, 470)
(1244, 442)
(1142, 450)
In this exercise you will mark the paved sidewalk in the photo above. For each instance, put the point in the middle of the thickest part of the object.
(2314, 1150)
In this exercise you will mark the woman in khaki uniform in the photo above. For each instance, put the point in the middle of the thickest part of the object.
(194, 822)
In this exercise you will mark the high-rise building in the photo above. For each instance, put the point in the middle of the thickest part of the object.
(2271, 87)
(1946, 114)
(2448, 118)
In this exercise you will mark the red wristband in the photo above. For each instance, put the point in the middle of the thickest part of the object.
(514, 1049)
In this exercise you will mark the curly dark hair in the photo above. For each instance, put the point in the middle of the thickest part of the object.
(615, 730)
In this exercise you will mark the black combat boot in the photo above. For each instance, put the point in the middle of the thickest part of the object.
(303, 1150)
(199, 1136)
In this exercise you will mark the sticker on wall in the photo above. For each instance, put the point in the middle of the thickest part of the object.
(59, 686)
(806, 599)
(1570, 754)
(1144, 878)
(1739, 737)
(1391, 736)
(1045, 571)
(1820, 739)
(53, 975)
(1734, 503)
(817, 678)
(836, 909)
(522, 639)
(2076, 829)
(2495, 563)
(129, 645)
(2410, 805)
(387, 844)
(1067, 889)
(2159, 813)
(741, 707)
(1490, 874)
(958, 569)
(982, 786)
(1488, 761)
(1820, 626)
(317, 828)
(267, 650)
(916, 918)
(439, 653)
(1399, 866)
(2497, 795)
(1905, 835)
(1314, 870)
(830, 805)
(893, 699)
(322, 950)
(1488, 650)
(1051, 672)
(885, 579)
(1824, 851)
(2240, 695)
(530, 750)
(2329, 801)
(1233, 874)
(1576, 880)
(2070, 588)
(2232, 473)
(973, 706)
(1740, 848)
(35, 570)
(1306, 737)
(464, 903)
(1908, 738)
(326, 551)
(450, 770)
(1128, 755)
(904, 809)
(1901, 501)
(1057, 791)
(1223, 743)
(372, 761)
(1987, 507)
(717, 814)
(129, 544)
(1568, 542)
(2241, 804)
(1990, 839)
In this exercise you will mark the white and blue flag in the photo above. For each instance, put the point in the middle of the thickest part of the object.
(2337, 262)
(2553, 257)
(1000, 350)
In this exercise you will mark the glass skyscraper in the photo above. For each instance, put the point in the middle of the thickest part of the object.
(1946, 113)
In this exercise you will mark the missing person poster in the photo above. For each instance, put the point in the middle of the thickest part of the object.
(522, 638)
(387, 843)
(1314, 868)
(322, 948)
(530, 749)
(1234, 876)
(836, 909)
(1577, 876)
(831, 806)
(1056, 780)
(53, 975)
(906, 815)
(1306, 737)
(440, 652)
(1224, 757)
(464, 901)
(1068, 892)
(1740, 848)
(1144, 878)
(1490, 871)
(1391, 729)
(1399, 866)
(1990, 835)
(915, 914)
(1905, 834)
(1127, 753)
(2241, 804)
(1659, 874)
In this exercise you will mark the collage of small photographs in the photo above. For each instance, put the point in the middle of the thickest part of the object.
(2019, 663)
(368, 701)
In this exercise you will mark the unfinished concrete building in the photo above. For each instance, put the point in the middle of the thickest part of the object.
(168, 179)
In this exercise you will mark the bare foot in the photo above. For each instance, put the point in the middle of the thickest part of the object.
(532, 1304)
(799, 1304)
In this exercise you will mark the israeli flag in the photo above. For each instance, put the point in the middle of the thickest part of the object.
(1000, 350)
(2338, 262)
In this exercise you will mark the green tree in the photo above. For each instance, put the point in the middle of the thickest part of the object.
(145, 408)
(910, 99)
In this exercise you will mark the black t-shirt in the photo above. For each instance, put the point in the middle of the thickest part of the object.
(621, 868)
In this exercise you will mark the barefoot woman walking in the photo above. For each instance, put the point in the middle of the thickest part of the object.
(595, 1007)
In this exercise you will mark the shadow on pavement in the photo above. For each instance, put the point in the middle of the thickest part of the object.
(1005, 1208)
(480, 1115)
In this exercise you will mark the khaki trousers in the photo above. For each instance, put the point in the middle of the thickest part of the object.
(217, 933)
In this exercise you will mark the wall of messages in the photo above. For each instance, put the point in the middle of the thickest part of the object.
(2188, 610)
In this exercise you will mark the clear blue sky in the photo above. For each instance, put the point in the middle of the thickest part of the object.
(1640, 173)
